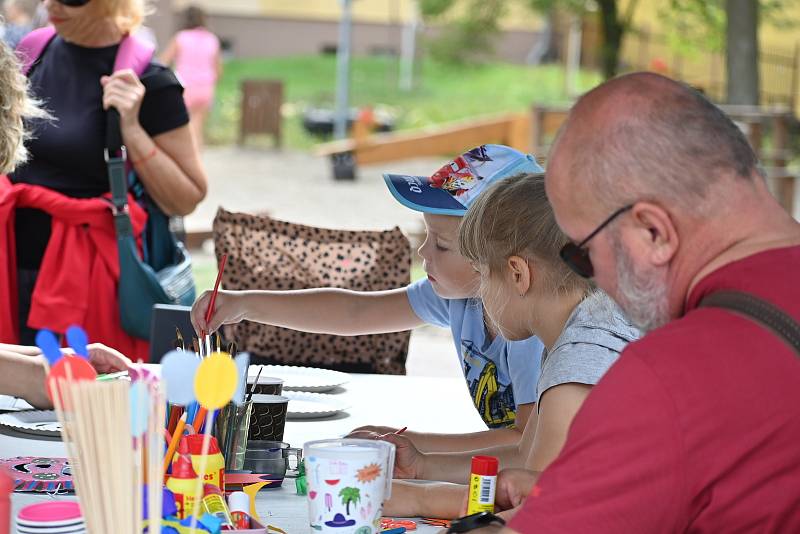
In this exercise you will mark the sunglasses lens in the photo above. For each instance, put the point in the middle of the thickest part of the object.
(577, 259)
(73, 3)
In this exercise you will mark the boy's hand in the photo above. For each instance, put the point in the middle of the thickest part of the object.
(228, 309)
(369, 431)
(408, 461)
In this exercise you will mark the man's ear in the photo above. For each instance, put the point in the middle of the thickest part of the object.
(655, 232)
(519, 274)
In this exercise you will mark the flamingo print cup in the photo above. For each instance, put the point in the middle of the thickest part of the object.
(348, 481)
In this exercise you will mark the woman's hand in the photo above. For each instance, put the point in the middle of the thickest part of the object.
(228, 309)
(107, 360)
(123, 91)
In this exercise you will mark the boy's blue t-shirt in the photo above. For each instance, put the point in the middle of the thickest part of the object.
(501, 374)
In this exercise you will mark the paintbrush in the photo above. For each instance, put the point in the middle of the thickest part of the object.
(255, 384)
(213, 300)
(179, 343)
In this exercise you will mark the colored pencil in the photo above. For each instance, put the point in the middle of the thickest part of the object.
(198, 419)
(173, 445)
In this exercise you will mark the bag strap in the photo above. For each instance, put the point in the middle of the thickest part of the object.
(760, 311)
(135, 54)
(31, 47)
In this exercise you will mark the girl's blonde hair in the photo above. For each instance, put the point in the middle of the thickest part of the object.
(15, 106)
(128, 14)
(514, 218)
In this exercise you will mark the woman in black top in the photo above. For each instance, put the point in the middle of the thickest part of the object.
(73, 80)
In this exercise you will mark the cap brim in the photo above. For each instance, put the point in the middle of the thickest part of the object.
(415, 192)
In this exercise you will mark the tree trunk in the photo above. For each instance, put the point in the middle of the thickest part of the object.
(612, 29)
(741, 51)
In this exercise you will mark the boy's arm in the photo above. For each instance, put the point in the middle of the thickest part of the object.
(454, 466)
(540, 445)
(472, 441)
(324, 311)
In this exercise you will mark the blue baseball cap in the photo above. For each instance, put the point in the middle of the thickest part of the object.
(452, 189)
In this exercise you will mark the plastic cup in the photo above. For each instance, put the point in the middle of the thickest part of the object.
(348, 482)
(267, 385)
(268, 419)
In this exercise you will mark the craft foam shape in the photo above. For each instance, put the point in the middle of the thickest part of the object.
(48, 344)
(242, 364)
(178, 370)
(69, 368)
(251, 490)
(77, 339)
(39, 473)
(215, 381)
(140, 402)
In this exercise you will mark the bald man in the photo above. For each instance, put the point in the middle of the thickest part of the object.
(696, 428)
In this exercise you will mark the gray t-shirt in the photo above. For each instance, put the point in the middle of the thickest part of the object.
(594, 335)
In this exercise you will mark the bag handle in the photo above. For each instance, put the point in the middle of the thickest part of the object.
(135, 54)
(759, 311)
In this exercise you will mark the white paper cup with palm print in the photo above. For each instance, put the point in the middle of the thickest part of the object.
(348, 482)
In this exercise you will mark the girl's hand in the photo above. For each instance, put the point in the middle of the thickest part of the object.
(405, 500)
(513, 487)
(228, 309)
(123, 91)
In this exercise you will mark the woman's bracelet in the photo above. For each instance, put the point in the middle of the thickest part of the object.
(150, 155)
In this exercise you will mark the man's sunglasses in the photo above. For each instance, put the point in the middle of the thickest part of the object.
(73, 3)
(577, 257)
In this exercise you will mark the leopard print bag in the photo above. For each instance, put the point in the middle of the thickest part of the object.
(265, 253)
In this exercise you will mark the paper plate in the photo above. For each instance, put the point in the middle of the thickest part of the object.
(304, 405)
(35, 422)
(303, 378)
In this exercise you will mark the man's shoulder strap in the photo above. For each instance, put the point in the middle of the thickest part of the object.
(758, 310)
(31, 46)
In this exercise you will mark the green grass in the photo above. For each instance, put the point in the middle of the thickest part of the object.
(444, 92)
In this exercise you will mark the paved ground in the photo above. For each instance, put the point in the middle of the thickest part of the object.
(298, 187)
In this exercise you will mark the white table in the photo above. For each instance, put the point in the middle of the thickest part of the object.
(422, 403)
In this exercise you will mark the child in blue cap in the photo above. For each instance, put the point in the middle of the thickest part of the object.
(501, 374)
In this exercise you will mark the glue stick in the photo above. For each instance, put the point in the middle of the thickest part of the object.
(239, 505)
(214, 504)
(482, 484)
(183, 483)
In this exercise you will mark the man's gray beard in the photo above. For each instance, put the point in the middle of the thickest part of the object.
(643, 296)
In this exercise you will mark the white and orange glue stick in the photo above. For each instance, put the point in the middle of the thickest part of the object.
(482, 484)
(239, 505)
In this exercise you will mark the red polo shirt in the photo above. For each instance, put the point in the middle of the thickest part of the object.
(696, 428)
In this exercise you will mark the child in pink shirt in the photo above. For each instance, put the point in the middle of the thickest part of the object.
(195, 51)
